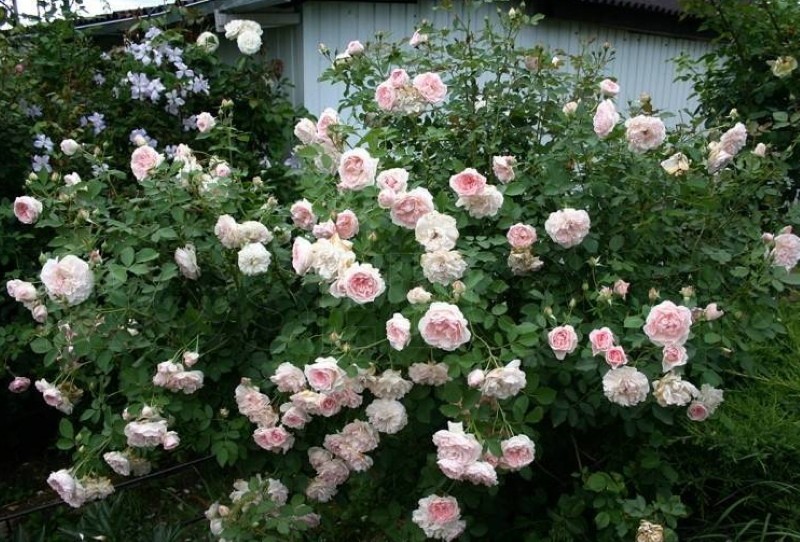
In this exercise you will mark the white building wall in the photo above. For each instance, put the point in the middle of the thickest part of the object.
(642, 62)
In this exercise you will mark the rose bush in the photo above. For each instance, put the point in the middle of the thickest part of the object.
(381, 383)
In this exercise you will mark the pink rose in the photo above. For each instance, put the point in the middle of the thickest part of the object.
(327, 405)
(609, 88)
(354, 48)
(398, 331)
(615, 357)
(205, 122)
(438, 517)
(475, 378)
(68, 279)
(444, 326)
(288, 378)
(697, 411)
(668, 324)
(301, 256)
(644, 133)
(568, 227)
(786, 252)
(306, 131)
(363, 283)
(481, 473)
(222, 170)
(327, 118)
(518, 452)
(324, 230)
(274, 439)
(468, 183)
(324, 374)
(399, 78)
(601, 339)
(386, 96)
(171, 440)
(711, 312)
(430, 87)
(563, 340)
(621, 288)
(357, 170)
(346, 224)
(27, 209)
(227, 231)
(395, 179)
(521, 236)
(673, 355)
(143, 160)
(605, 118)
(19, 384)
(409, 207)
(39, 313)
(21, 291)
(386, 198)
(503, 167)
(418, 39)
(295, 418)
(303, 214)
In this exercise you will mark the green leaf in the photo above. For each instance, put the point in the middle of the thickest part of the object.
(602, 520)
(65, 429)
(41, 345)
(597, 482)
(544, 396)
(126, 256)
(633, 322)
(146, 255)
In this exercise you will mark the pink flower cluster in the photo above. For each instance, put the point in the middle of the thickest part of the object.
(61, 397)
(399, 94)
(126, 463)
(174, 377)
(458, 455)
(439, 517)
(76, 491)
(562, 340)
(68, 279)
(503, 168)
(568, 227)
(722, 152)
(475, 195)
(149, 430)
(25, 293)
(500, 382)
(320, 133)
(602, 341)
(785, 251)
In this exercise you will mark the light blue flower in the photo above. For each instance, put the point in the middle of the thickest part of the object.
(41, 162)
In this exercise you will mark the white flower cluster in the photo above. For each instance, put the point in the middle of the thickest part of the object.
(249, 237)
(247, 35)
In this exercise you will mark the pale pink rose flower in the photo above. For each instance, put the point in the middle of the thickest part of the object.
(303, 215)
(21, 291)
(504, 382)
(438, 517)
(672, 390)
(327, 405)
(430, 87)
(306, 400)
(71, 179)
(324, 230)
(443, 266)
(318, 456)
(69, 146)
(288, 378)
(563, 340)
(324, 374)
(186, 260)
(329, 117)
(118, 462)
(357, 170)
(482, 205)
(616, 357)
(521, 236)
(363, 283)
(274, 439)
(468, 183)
(568, 227)
(254, 404)
(668, 323)
(19, 384)
(187, 381)
(734, 139)
(386, 198)
(697, 411)
(673, 355)
(711, 312)
(760, 150)
(227, 231)
(503, 168)
(605, 118)
(621, 288)
(398, 331)
(68, 488)
(410, 206)
(518, 452)
(143, 160)
(609, 88)
(354, 48)
(222, 170)
(395, 179)
(294, 417)
(333, 472)
(145, 434)
(68, 279)
(399, 78)
(190, 358)
(389, 385)
(254, 259)
(786, 252)
(346, 224)
(601, 340)
(455, 450)
(644, 133)
(570, 108)
(444, 326)
(320, 491)
(387, 415)
(718, 158)
(625, 386)
(39, 313)
(306, 131)
(205, 122)
(429, 374)
(418, 296)
(171, 440)
(301, 256)
(436, 231)
(386, 96)
(475, 378)
(417, 39)
(481, 473)
(27, 209)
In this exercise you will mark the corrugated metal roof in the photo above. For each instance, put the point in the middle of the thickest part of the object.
(660, 6)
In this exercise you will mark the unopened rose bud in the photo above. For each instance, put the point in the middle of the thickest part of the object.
(224, 412)
(139, 141)
(346, 347)
(95, 257)
(532, 63)
(55, 176)
(606, 45)
(334, 337)
(32, 177)
(223, 510)
(767, 238)
(548, 311)
(148, 412)
(585, 286)
(653, 294)
(687, 292)
(322, 48)
(227, 104)
(572, 302)
(556, 62)
(257, 182)
(83, 214)
(373, 236)
(734, 114)
(605, 294)
(593, 262)
(459, 287)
